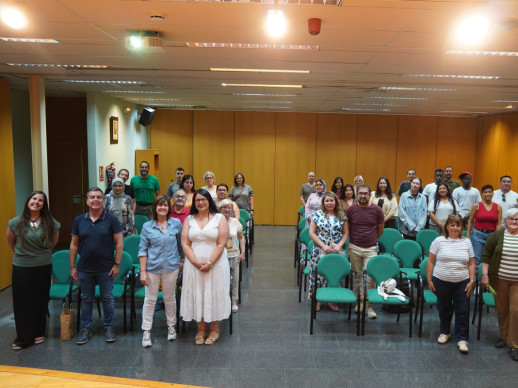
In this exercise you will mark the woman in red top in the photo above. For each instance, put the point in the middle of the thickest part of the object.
(485, 218)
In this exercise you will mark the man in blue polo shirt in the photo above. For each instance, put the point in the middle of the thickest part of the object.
(95, 235)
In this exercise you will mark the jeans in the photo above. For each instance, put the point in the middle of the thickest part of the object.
(448, 293)
(478, 240)
(88, 282)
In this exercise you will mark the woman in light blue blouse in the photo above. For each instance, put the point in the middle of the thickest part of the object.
(159, 254)
(329, 231)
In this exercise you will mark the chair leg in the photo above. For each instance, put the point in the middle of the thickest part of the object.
(479, 314)
(239, 284)
(410, 319)
(98, 307)
(124, 311)
(299, 282)
(476, 306)
(312, 315)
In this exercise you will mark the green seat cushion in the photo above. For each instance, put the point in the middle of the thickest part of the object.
(430, 297)
(118, 291)
(307, 270)
(374, 297)
(141, 293)
(335, 295)
(489, 299)
(60, 291)
(413, 273)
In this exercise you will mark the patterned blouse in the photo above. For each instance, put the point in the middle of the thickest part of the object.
(121, 205)
(329, 230)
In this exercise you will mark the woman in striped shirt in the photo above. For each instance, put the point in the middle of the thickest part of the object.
(453, 279)
(500, 270)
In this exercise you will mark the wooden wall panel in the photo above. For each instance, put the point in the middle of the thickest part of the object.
(336, 147)
(295, 139)
(416, 148)
(255, 159)
(488, 144)
(172, 135)
(7, 196)
(456, 145)
(507, 151)
(213, 146)
(376, 147)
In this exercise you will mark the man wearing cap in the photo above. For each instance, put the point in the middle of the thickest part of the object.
(448, 180)
(466, 196)
(505, 197)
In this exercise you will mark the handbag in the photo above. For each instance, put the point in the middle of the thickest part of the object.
(67, 323)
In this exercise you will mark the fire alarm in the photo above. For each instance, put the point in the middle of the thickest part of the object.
(314, 26)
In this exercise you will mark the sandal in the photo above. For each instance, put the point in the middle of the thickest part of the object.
(39, 340)
(200, 339)
(212, 339)
(332, 307)
(17, 347)
(318, 306)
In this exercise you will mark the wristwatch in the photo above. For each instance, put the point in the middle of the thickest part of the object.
(117, 264)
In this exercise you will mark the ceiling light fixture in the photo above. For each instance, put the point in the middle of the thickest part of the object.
(400, 88)
(313, 47)
(133, 91)
(264, 85)
(265, 94)
(260, 70)
(378, 104)
(456, 76)
(275, 23)
(54, 65)
(14, 18)
(484, 53)
(505, 101)
(103, 82)
(266, 102)
(27, 40)
(398, 98)
(472, 29)
(367, 109)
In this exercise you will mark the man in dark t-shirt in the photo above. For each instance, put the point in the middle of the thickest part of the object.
(95, 235)
(366, 224)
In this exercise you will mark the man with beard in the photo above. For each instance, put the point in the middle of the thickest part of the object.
(146, 187)
(448, 180)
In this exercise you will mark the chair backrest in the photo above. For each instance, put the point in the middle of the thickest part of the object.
(422, 269)
(61, 267)
(140, 220)
(304, 236)
(302, 210)
(125, 267)
(425, 238)
(302, 223)
(334, 268)
(131, 245)
(244, 214)
(388, 239)
(243, 223)
(407, 252)
(382, 267)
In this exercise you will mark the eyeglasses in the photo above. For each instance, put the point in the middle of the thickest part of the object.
(503, 197)
(180, 197)
(199, 200)
(513, 220)
(362, 193)
(222, 190)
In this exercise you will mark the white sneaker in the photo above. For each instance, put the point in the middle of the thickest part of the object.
(370, 313)
(356, 308)
(146, 339)
(171, 333)
(443, 338)
(463, 346)
(235, 308)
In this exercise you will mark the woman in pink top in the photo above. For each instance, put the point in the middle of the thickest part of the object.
(484, 219)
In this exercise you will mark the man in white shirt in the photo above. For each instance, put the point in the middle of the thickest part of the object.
(466, 196)
(431, 188)
(505, 197)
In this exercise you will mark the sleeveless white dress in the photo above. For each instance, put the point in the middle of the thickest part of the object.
(205, 295)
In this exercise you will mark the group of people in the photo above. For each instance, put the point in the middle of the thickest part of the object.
(207, 233)
(356, 213)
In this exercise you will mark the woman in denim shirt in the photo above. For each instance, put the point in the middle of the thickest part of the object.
(159, 253)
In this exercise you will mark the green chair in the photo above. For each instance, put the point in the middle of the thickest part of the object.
(307, 269)
(301, 225)
(425, 296)
(245, 234)
(131, 245)
(140, 220)
(408, 252)
(485, 297)
(301, 213)
(388, 240)
(333, 267)
(381, 268)
(304, 240)
(62, 284)
(425, 238)
(244, 214)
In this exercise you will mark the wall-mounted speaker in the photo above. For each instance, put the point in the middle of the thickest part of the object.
(146, 116)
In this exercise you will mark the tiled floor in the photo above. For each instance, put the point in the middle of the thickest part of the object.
(271, 345)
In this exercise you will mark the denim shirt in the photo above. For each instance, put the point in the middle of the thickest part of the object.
(412, 213)
(161, 248)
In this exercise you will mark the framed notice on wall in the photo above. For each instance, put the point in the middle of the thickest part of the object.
(114, 130)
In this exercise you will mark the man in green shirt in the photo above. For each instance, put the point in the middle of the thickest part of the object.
(146, 187)
(448, 179)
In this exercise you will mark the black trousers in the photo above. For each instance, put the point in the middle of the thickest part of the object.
(31, 287)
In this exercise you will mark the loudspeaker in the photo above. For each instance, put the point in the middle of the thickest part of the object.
(146, 116)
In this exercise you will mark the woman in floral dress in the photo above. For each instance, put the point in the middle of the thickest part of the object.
(329, 231)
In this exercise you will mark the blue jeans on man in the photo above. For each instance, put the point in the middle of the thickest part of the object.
(88, 283)
(448, 293)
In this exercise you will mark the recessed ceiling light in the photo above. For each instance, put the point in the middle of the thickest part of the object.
(260, 70)
(133, 91)
(28, 40)
(264, 85)
(462, 111)
(267, 102)
(54, 65)
(505, 101)
(473, 29)
(155, 99)
(367, 109)
(103, 82)
(458, 76)
(406, 89)
(265, 94)
(252, 46)
(398, 98)
(485, 53)
(376, 104)
(14, 18)
(267, 107)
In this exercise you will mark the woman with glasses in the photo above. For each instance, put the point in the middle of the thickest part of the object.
(485, 217)
(209, 179)
(206, 272)
(500, 271)
(452, 279)
(222, 194)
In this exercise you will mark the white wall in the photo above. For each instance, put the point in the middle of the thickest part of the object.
(132, 136)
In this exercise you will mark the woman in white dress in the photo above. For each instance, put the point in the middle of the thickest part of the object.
(206, 273)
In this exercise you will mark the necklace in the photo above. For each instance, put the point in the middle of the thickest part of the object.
(33, 223)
